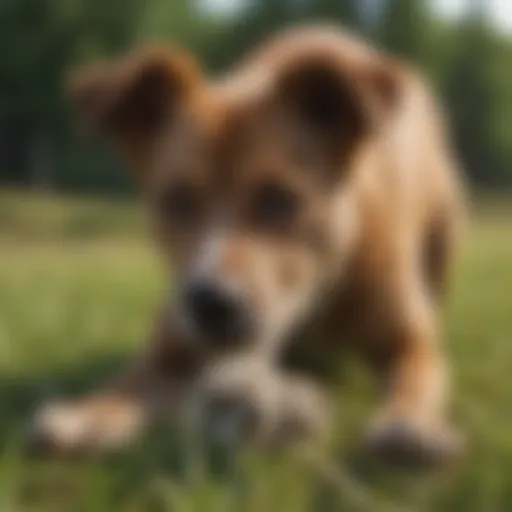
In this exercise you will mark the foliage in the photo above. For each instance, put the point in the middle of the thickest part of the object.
(41, 40)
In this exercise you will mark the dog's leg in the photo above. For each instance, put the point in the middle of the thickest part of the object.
(113, 417)
(410, 426)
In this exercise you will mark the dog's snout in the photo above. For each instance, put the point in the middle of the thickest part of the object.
(218, 313)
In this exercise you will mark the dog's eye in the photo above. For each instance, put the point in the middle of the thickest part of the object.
(274, 205)
(180, 203)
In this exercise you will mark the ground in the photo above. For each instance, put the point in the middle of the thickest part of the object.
(78, 285)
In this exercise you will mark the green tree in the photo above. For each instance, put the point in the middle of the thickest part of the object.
(43, 38)
(343, 11)
(471, 96)
(404, 28)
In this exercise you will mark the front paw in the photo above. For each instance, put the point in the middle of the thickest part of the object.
(232, 403)
(246, 402)
(412, 444)
(87, 428)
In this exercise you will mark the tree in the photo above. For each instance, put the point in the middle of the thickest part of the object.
(343, 11)
(470, 94)
(404, 28)
(44, 38)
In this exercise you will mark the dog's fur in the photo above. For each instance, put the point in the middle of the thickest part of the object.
(358, 256)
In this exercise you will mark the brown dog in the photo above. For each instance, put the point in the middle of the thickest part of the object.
(308, 201)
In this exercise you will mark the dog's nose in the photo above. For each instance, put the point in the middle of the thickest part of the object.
(216, 312)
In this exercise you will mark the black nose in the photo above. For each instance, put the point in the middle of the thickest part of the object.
(217, 313)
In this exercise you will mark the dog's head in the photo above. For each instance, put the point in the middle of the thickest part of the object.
(251, 179)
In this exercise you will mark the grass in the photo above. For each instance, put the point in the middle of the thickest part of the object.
(79, 284)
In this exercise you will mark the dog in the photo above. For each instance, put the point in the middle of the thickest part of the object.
(307, 202)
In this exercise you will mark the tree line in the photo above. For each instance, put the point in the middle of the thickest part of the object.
(470, 64)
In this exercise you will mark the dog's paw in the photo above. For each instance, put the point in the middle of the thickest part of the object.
(81, 429)
(251, 403)
(232, 402)
(411, 444)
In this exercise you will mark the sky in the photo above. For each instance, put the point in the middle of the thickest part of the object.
(501, 10)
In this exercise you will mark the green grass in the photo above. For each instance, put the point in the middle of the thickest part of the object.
(79, 284)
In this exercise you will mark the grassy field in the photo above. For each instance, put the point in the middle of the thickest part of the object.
(78, 286)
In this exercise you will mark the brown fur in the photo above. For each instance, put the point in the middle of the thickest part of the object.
(357, 137)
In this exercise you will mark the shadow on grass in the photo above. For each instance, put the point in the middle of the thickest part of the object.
(49, 482)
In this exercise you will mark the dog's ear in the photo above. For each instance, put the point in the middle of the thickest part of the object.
(337, 101)
(132, 100)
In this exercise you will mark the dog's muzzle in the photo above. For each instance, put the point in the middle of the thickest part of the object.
(219, 315)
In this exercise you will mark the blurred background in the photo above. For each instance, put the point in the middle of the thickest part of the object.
(464, 46)
(80, 283)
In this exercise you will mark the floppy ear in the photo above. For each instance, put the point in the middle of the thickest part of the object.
(131, 100)
(338, 102)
